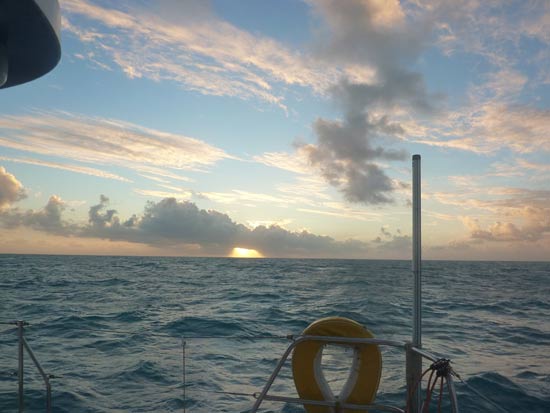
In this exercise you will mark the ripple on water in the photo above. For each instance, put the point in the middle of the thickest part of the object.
(111, 327)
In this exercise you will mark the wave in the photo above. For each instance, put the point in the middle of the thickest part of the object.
(503, 392)
(111, 328)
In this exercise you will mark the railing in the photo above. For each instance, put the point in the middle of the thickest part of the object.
(23, 346)
(412, 383)
(412, 355)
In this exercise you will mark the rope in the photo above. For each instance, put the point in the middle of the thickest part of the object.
(156, 334)
(414, 389)
(429, 392)
(260, 337)
(11, 330)
(441, 368)
(233, 393)
(498, 406)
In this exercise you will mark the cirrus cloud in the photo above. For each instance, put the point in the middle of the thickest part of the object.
(104, 141)
(203, 53)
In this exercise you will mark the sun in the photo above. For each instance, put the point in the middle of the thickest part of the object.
(245, 253)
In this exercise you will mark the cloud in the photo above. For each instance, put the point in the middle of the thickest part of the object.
(106, 142)
(494, 126)
(514, 214)
(241, 197)
(65, 167)
(186, 43)
(398, 245)
(172, 224)
(296, 162)
(532, 166)
(394, 245)
(522, 129)
(308, 187)
(345, 151)
(341, 211)
(536, 227)
(48, 219)
(499, 114)
(11, 190)
(375, 34)
(178, 194)
(344, 156)
(496, 31)
(370, 31)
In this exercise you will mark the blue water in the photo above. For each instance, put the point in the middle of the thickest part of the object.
(110, 328)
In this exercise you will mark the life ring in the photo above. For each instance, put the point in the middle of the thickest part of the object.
(362, 383)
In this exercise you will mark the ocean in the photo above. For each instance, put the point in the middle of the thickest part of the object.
(110, 328)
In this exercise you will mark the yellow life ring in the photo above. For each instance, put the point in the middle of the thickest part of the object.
(364, 378)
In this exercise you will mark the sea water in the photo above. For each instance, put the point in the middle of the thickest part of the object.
(111, 329)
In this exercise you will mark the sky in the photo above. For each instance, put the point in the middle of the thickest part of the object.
(284, 128)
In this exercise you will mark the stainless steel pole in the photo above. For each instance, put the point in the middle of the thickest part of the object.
(184, 384)
(417, 270)
(417, 254)
(45, 376)
(20, 325)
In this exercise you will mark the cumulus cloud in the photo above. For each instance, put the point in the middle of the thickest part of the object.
(105, 142)
(372, 31)
(502, 214)
(378, 35)
(345, 156)
(11, 190)
(170, 223)
(534, 226)
(393, 244)
(48, 219)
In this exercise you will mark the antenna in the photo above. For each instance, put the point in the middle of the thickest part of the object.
(417, 254)
(416, 361)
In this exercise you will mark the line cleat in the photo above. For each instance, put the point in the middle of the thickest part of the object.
(442, 367)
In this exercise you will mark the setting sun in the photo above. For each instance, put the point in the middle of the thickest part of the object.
(245, 253)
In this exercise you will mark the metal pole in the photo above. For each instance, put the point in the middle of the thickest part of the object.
(417, 254)
(184, 384)
(273, 376)
(48, 397)
(20, 325)
(45, 377)
(417, 270)
(452, 393)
